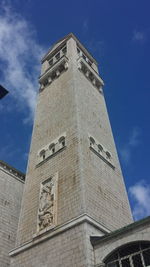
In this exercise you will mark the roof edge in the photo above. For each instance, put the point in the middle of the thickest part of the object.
(66, 38)
(12, 170)
(96, 240)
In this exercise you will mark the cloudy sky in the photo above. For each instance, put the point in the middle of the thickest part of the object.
(117, 33)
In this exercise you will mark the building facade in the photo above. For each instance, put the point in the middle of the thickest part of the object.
(74, 197)
(11, 190)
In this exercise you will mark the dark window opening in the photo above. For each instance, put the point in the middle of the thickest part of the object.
(133, 255)
(146, 256)
(51, 62)
(64, 50)
(137, 260)
(84, 57)
(57, 56)
(78, 50)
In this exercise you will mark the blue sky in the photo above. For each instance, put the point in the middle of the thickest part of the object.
(117, 33)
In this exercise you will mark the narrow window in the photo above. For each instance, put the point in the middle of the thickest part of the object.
(45, 82)
(62, 141)
(91, 76)
(52, 148)
(43, 154)
(50, 62)
(64, 50)
(108, 155)
(100, 148)
(78, 50)
(92, 141)
(84, 57)
(90, 63)
(57, 56)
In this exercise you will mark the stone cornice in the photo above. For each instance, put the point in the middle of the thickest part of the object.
(12, 171)
(52, 50)
(50, 233)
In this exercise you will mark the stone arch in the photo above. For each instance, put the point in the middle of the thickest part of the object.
(62, 141)
(43, 154)
(52, 148)
(100, 147)
(130, 253)
(92, 141)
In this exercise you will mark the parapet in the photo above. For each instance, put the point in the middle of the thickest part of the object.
(12, 171)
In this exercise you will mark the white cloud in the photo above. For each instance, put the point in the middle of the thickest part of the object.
(134, 137)
(139, 36)
(140, 193)
(20, 56)
(133, 141)
(125, 153)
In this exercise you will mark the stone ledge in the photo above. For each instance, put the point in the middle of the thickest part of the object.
(101, 157)
(51, 156)
(50, 233)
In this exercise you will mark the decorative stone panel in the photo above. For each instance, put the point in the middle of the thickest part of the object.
(101, 151)
(51, 148)
(47, 211)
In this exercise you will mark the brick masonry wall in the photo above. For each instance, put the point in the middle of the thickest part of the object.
(11, 191)
(105, 193)
(70, 248)
(56, 114)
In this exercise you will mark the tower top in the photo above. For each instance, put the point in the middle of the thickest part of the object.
(62, 41)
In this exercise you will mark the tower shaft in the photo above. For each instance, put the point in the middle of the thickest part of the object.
(74, 185)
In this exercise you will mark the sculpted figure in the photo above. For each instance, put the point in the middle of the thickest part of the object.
(45, 213)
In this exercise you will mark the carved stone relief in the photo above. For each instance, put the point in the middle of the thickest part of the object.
(47, 212)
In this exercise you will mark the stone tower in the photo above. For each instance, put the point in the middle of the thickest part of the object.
(74, 186)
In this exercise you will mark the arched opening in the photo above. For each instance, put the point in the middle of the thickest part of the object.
(130, 255)
(62, 141)
(92, 141)
(108, 154)
(100, 148)
(52, 148)
(43, 154)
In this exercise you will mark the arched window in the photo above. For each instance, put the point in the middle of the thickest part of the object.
(100, 148)
(92, 141)
(43, 154)
(108, 154)
(52, 148)
(62, 141)
(131, 255)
